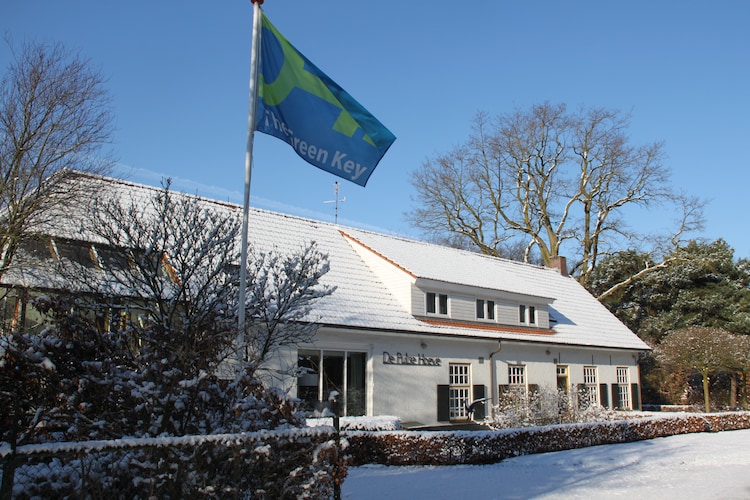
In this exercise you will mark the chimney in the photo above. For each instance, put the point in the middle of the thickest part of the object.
(560, 264)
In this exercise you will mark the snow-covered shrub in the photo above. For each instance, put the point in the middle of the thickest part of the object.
(296, 463)
(71, 383)
(545, 406)
(59, 384)
(518, 408)
(172, 280)
(378, 423)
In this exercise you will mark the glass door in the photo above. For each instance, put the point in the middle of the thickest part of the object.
(324, 373)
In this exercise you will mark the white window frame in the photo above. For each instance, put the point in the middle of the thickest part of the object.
(436, 300)
(517, 381)
(517, 376)
(526, 314)
(459, 390)
(623, 387)
(591, 383)
(485, 310)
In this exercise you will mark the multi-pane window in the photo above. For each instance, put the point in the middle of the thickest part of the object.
(526, 314)
(485, 309)
(323, 372)
(591, 389)
(437, 303)
(623, 388)
(459, 390)
(517, 375)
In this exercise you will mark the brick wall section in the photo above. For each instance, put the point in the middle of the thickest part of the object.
(484, 447)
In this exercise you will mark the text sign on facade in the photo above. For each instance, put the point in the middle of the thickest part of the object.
(407, 359)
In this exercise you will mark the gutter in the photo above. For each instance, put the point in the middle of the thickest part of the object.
(493, 380)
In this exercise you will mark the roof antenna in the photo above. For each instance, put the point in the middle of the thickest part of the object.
(336, 201)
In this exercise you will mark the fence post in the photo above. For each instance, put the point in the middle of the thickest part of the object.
(9, 470)
(337, 481)
(9, 465)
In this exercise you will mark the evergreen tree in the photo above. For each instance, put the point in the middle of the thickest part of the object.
(701, 286)
(697, 285)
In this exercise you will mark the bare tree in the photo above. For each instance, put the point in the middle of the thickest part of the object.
(282, 291)
(546, 177)
(703, 349)
(54, 116)
(173, 261)
(160, 272)
(166, 276)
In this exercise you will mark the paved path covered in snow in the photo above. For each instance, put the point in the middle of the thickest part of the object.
(687, 467)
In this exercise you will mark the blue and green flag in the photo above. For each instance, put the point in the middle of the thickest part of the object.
(300, 105)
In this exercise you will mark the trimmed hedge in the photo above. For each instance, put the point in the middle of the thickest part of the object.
(484, 447)
(292, 463)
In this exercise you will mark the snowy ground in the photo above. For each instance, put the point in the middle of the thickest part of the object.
(691, 466)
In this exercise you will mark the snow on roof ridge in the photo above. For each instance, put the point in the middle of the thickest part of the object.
(228, 204)
(147, 187)
(346, 229)
(373, 306)
(457, 250)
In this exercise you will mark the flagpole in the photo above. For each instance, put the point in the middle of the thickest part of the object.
(251, 119)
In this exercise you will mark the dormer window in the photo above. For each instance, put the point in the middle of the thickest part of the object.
(526, 315)
(437, 303)
(485, 309)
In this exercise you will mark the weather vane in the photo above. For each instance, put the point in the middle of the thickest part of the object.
(336, 201)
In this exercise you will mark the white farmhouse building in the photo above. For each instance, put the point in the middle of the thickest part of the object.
(419, 331)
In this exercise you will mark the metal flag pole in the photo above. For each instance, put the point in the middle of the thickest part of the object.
(251, 119)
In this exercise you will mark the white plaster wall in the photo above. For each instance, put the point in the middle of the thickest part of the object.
(541, 367)
(404, 390)
(279, 369)
(410, 391)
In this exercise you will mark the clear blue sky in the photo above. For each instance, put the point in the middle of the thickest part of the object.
(178, 74)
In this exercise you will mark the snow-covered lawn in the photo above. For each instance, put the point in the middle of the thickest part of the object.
(690, 466)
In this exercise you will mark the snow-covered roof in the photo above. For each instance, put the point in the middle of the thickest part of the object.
(579, 318)
(362, 300)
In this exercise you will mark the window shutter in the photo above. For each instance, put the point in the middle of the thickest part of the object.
(636, 396)
(443, 403)
(604, 395)
(479, 393)
(615, 396)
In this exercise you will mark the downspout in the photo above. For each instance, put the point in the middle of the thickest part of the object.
(493, 380)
